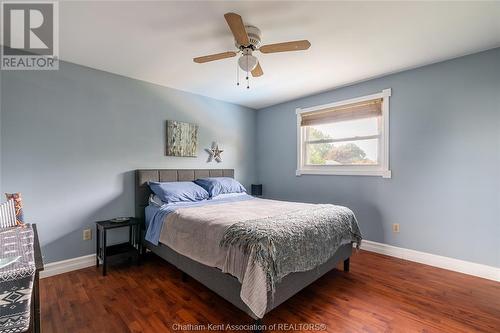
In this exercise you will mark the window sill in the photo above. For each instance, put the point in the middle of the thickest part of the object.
(380, 173)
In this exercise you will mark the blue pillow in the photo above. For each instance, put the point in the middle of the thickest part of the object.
(220, 185)
(178, 191)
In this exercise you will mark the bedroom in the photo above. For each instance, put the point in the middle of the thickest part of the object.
(353, 186)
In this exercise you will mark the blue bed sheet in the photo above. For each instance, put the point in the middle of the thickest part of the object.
(155, 215)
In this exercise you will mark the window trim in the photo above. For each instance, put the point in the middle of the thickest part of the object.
(381, 169)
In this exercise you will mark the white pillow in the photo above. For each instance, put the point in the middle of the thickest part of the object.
(155, 200)
(228, 195)
(7, 214)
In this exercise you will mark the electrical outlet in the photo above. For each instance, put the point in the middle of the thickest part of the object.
(395, 227)
(87, 234)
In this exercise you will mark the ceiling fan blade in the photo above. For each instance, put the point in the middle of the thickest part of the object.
(213, 57)
(297, 45)
(257, 71)
(237, 28)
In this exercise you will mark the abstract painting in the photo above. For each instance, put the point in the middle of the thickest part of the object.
(182, 139)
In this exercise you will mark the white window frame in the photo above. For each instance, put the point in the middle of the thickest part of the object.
(381, 169)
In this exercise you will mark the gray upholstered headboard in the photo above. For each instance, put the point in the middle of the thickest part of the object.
(142, 177)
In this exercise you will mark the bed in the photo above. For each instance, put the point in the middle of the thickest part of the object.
(229, 286)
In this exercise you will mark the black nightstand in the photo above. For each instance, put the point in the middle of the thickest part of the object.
(257, 190)
(128, 249)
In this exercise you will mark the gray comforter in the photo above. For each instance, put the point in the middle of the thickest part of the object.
(296, 241)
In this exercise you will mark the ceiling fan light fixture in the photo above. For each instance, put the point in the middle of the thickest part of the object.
(247, 62)
(247, 39)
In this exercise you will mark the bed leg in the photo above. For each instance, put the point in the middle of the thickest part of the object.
(346, 265)
(184, 277)
(258, 323)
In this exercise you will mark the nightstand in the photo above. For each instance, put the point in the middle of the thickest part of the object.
(257, 190)
(127, 250)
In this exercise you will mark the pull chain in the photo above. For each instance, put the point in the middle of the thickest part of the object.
(237, 74)
(248, 82)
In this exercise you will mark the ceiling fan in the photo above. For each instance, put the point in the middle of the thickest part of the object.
(247, 40)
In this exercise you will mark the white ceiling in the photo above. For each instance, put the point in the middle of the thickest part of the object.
(351, 41)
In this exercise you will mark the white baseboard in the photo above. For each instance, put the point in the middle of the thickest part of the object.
(68, 265)
(457, 265)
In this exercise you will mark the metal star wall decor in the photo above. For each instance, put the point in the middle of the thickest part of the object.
(215, 153)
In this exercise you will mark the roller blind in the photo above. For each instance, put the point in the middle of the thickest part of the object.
(360, 110)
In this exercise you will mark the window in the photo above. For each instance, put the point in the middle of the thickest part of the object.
(345, 138)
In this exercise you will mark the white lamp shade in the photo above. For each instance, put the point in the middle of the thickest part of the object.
(247, 62)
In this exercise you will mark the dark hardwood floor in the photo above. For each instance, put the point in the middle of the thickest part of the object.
(379, 294)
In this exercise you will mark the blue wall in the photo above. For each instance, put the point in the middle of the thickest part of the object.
(70, 140)
(444, 157)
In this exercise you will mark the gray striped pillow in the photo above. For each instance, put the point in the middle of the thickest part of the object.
(7, 214)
